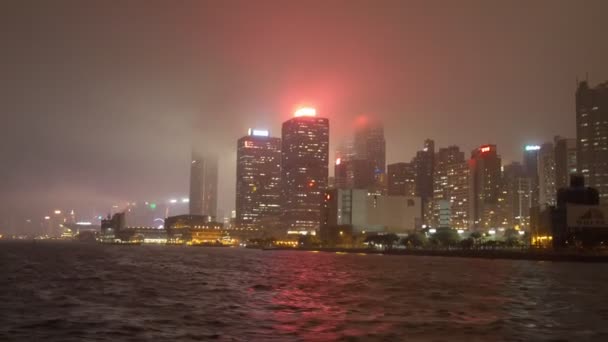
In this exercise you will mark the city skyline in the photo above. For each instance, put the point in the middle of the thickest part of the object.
(156, 110)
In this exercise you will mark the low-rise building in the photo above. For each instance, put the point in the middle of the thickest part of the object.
(577, 221)
(365, 213)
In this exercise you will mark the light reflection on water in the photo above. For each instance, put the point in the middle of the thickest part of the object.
(74, 292)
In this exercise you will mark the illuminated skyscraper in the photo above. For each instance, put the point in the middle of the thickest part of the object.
(485, 165)
(305, 155)
(451, 189)
(546, 175)
(258, 180)
(401, 179)
(203, 185)
(531, 169)
(592, 136)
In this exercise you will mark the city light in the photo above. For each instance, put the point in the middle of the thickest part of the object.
(83, 223)
(173, 200)
(485, 149)
(259, 132)
(47, 217)
(185, 200)
(432, 230)
(532, 147)
(57, 212)
(305, 111)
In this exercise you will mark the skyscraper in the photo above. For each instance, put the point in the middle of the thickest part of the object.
(565, 161)
(518, 199)
(305, 154)
(258, 181)
(546, 175)
(451, 189)
(485, 189)
(203, 185)
(370, 145)
(592, 136)
(424, 163)
(531, 169)
(401, 179)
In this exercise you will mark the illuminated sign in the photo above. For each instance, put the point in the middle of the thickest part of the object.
(532, 147)
(485, 149)
(306, 111)
(338, 161)
(248, 144)
(84, 223)
(259, 132)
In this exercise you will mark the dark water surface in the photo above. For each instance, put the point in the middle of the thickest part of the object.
(78, 292)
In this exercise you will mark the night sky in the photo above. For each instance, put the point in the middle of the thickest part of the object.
(101, 101)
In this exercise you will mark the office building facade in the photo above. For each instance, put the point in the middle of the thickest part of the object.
(305, 156)
(592, 136)
(203, 185)
(258, 181)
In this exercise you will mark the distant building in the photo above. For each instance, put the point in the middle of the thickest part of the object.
(592, 136)
(360, 174)
(401, 179)
(546, 175)
(578, 221)
(115, 230)
(370, 144)
(194, 229)
(531, 169)
(517, 187)
(424, 163)
(345, 151)
(258, 180)
(203, 185)
(565, 161)
(451, 180)
(485, 190)
(370, 213)
(341, 173)
(305, 156)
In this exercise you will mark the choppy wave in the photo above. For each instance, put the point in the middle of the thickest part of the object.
(79, 292)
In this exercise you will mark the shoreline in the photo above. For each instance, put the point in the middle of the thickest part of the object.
(531, 255)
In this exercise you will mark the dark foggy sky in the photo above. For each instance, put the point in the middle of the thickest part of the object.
(101, 100)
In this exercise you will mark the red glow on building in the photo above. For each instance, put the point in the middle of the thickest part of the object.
(305, 111)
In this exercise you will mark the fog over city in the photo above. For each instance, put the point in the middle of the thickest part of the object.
(102, 102)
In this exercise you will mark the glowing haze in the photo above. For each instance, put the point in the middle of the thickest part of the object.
(102, 101)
